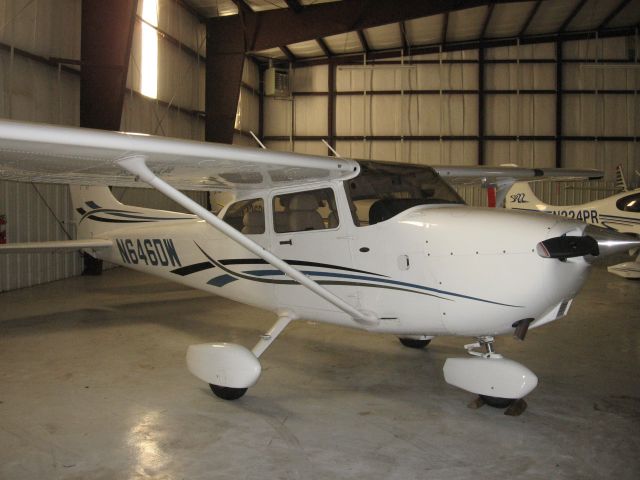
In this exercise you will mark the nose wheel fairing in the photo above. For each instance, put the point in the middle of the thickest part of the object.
(497, 381)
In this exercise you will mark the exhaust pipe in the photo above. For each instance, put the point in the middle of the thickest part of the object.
(595, 241)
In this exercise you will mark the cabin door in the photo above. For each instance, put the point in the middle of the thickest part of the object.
(310, 235)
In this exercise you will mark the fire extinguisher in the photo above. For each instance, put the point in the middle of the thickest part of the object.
(3, 229)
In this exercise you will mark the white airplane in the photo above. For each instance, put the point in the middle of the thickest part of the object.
(387, 248)
(619, 212)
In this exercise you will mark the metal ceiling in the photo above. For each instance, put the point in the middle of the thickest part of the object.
(497, 20)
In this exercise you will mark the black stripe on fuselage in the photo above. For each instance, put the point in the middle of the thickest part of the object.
(112, 220)
(302, 263)
(195, 268)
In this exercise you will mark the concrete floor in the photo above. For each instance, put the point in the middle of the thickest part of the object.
(93, 385)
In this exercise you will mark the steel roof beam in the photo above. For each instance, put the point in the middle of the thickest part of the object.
(571, 16)
(243, 6)
(614, 13)
(403, 37)
(487, 19)
(288, 53)
(264, 30)
(529, 19)
(294, 5)
(475, 44)
(363, 41)
(445, 27)
(324, 47)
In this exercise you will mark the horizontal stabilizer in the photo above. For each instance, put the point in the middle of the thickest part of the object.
(59, 246)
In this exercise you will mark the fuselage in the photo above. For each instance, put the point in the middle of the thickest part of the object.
(620, 212)
(432, 269)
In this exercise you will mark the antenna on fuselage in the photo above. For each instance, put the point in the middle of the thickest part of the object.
(257, 139)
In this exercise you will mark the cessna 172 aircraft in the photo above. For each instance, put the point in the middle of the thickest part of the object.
(619, 212)
(388, 248)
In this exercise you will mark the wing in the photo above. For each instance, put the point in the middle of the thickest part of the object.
(503, 177)
(55, 154)
(494, 176)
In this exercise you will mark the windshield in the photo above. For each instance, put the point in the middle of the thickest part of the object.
(383, 190)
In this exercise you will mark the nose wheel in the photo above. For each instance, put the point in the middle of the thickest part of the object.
(227, 393)
(498, 381)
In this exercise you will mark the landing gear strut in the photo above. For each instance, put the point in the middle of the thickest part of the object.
(231, 369)
(487, 345)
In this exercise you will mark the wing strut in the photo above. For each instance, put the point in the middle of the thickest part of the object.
(137, 166)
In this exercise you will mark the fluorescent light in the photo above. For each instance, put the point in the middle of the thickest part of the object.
(149, 49)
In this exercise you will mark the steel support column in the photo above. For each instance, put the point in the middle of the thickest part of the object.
(225, 58)
(481, 105)
(107, 33)
(331, 106)
(105, 48)
(559, 84)
(261, 104)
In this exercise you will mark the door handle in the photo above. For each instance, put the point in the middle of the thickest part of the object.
(286, 242)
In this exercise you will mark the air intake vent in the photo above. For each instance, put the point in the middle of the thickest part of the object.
(564, 306)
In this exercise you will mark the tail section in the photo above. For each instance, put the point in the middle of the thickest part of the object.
(521, 197)
(97, 212)
(621, 184)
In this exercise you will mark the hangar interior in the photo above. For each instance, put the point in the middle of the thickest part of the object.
(536, 83)
(540, 83)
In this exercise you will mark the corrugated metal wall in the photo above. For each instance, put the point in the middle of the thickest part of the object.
(377, 102)
(33, 89)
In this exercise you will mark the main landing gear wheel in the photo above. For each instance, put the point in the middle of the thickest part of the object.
(227, 393)
(414, 342)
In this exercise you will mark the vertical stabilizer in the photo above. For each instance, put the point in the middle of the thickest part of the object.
(521, 197)
(621, 184)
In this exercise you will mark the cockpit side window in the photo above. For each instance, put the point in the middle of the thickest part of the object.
(630, 203)
(302, 211)
(384, 190)
(246, 216)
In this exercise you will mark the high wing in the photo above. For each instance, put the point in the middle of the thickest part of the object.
(503, 177)
(55, 154)
(494, 175)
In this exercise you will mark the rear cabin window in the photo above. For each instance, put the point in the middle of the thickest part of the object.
(304, 211)
(246, 216)
(630, 203)
(383, 190)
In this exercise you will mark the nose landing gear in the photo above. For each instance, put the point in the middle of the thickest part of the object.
(498, 381)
